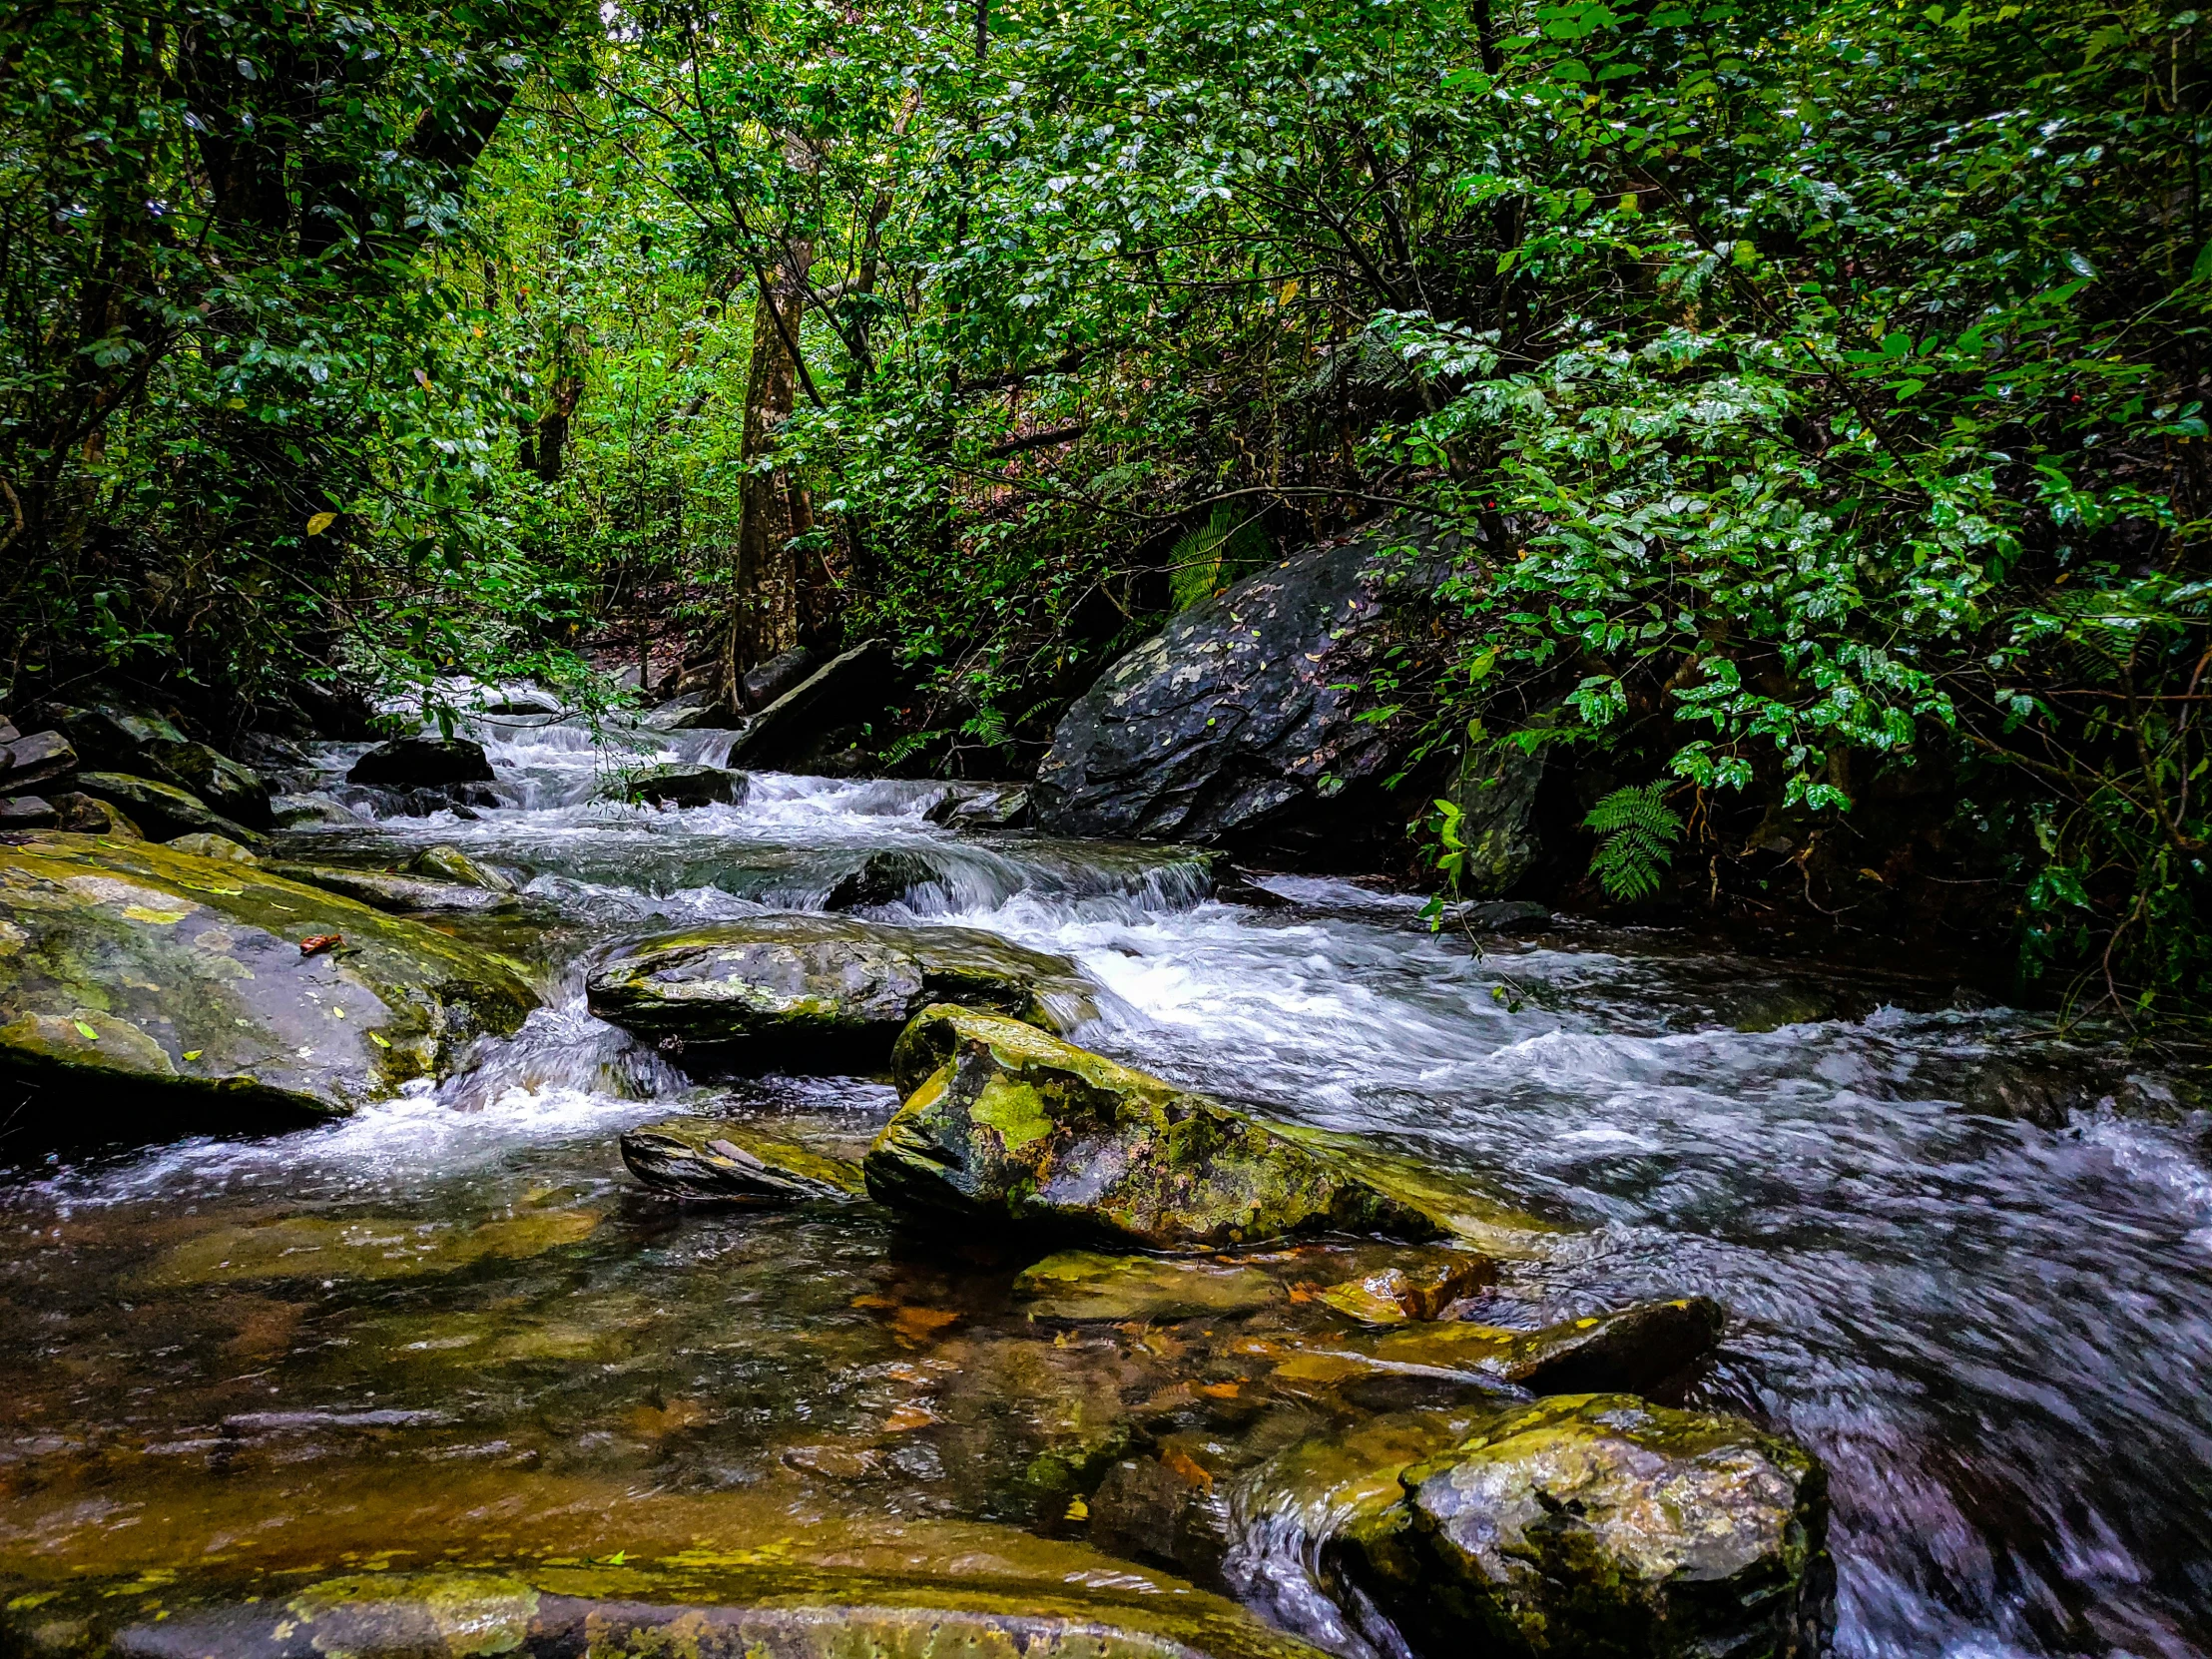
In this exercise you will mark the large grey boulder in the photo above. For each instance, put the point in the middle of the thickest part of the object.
(1240, 721)
(845, 692)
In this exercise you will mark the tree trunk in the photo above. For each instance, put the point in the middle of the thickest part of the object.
(773, 507)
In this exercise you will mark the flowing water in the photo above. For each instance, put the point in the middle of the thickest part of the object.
(1950, 1266)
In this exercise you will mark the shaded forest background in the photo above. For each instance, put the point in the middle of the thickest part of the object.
(1812, 390)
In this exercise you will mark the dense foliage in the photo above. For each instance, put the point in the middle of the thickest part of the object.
(1812, 387)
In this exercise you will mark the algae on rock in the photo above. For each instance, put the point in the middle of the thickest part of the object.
(184, 977)
(1004, 1120)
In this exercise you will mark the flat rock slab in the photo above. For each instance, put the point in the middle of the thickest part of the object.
(1008, 1123)
(1080, 1285)
(735, 1163)
(404, 894)
(823, 993)
(125, 963)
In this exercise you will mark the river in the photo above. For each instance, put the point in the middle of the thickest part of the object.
(1993, 1325)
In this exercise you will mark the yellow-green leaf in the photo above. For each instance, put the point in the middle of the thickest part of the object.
(192, 1053)
(85, 1031)
(320, 523)
(377, 1038)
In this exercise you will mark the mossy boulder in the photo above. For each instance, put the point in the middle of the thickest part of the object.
(1003, 1120)
(1600, 1525)
(183, 980)
(823, 993)
(735, 1163)
(162, 811)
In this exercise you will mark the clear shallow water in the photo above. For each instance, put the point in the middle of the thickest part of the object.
(1995, 1330)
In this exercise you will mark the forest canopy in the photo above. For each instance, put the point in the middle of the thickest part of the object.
(1810, 393)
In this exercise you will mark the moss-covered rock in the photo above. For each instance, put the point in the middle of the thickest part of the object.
(370, 1248)
(183, 978)
(405, 894)
(1080, 1285)
(823, 993)
(1007, 1121)
(162, 811)
(446, 862)
(202, 845)
(1599, 1524)
(736, 1163)
(83, 814)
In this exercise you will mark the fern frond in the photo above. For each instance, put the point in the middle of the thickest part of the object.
(1640, 832)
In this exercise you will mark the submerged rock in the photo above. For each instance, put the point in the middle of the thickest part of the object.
(1653, 1348)
(1080, 1285)
(1240, 721)
(1600, 1525)
(823, 993)
(162, 811)
(384, 890)
(179, 985)
(421, 763)
(953, 1589)
(680, 785)
(733, 1162)
(1005, 1121)
(372, 1248)
(1418, 1289)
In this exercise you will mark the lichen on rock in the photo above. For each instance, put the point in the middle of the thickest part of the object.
(1007, 1121)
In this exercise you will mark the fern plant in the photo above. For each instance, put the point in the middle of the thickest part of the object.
(1639, 830)
(1210, 558)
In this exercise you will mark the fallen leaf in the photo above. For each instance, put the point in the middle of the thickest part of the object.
(377, 1037)
(909, 1415)
(191, 1053)
(85, 1031)
(919, 1324)
(1221, 1390)
(1193, 1472)
(317, 944)
(1077, 1511)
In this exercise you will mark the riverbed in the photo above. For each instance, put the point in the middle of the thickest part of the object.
(1953, 1264)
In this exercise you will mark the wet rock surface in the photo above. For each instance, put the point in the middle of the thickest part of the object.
(421, 763)
(402, 894)
(800, 727)
(1240, 721)
(162, 811)
(735, 1162)
(680, 785)
(180, 984)
(1598, 1523)
(820, 992)
(1006, 1122)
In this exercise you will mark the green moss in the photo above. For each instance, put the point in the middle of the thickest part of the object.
(192, 955)
(1003, 1118)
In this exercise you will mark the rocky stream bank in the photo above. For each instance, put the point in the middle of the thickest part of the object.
(508, 1193)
